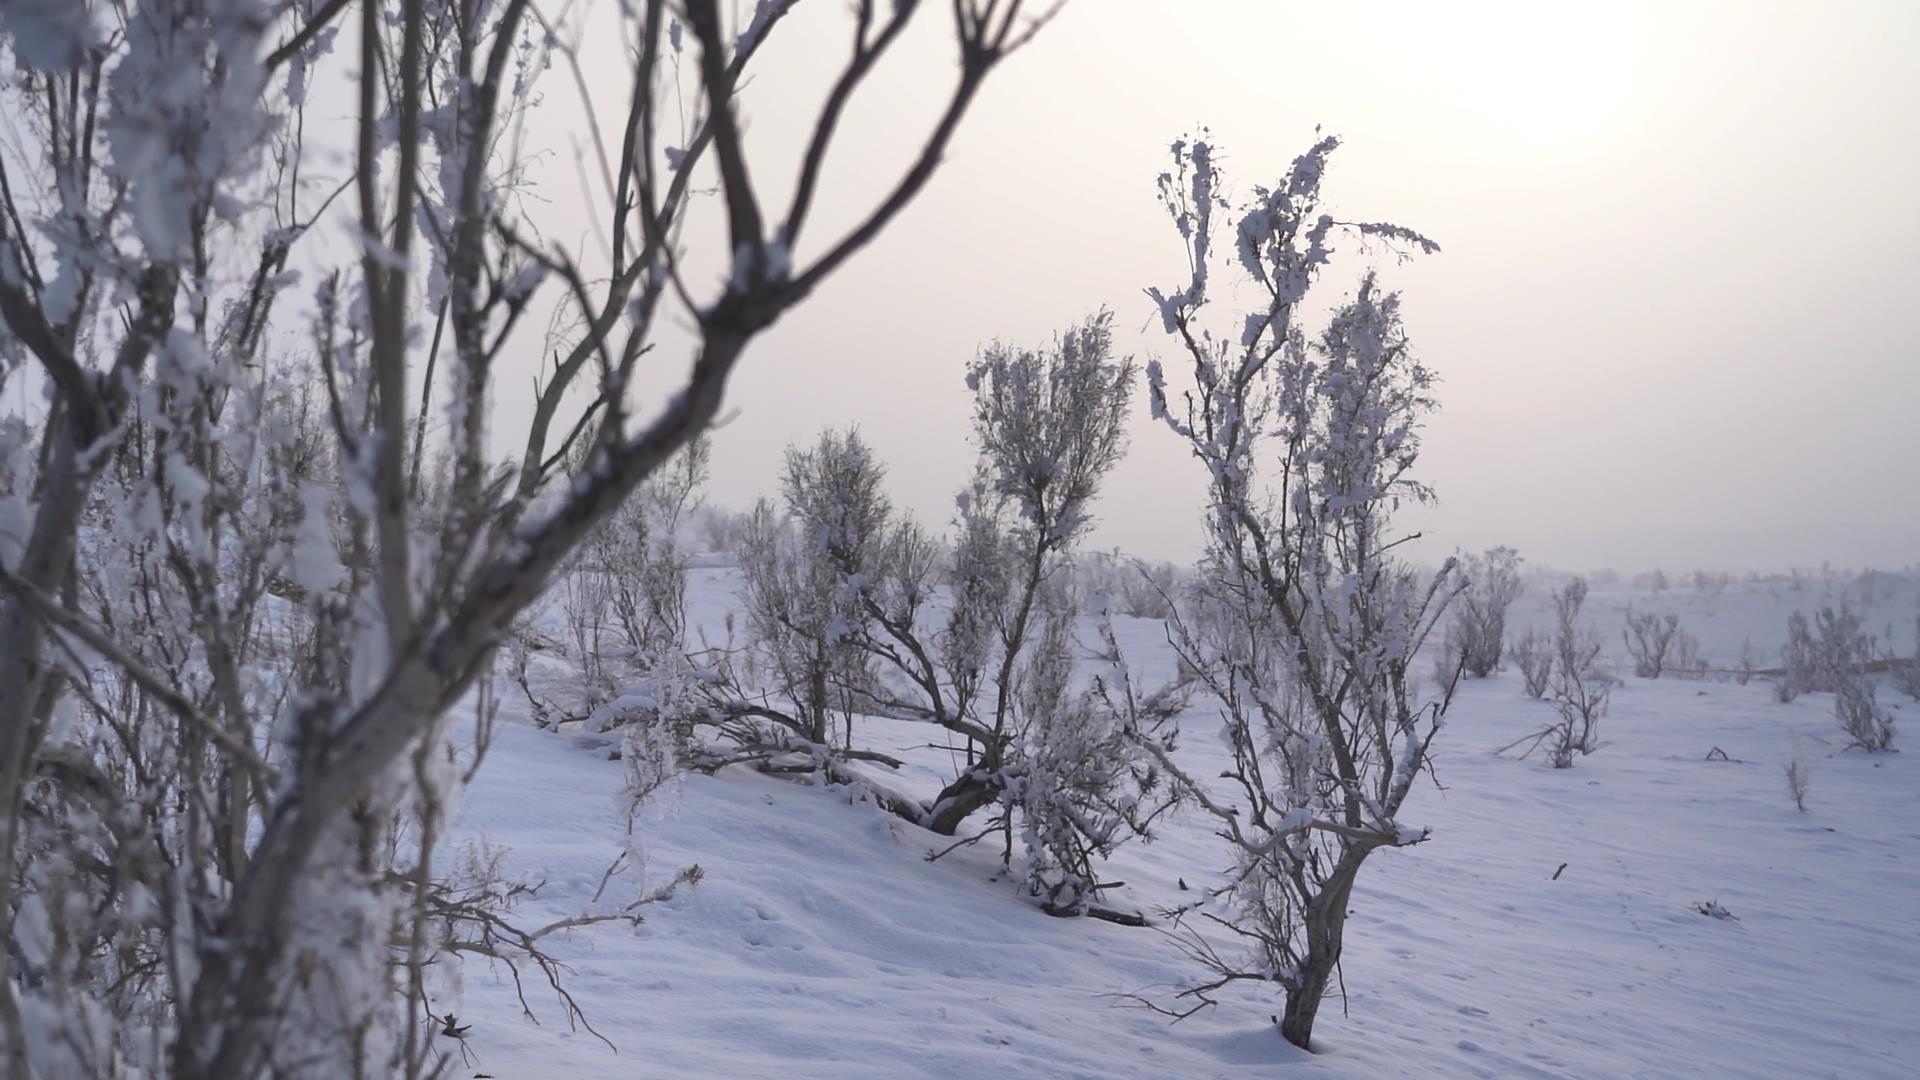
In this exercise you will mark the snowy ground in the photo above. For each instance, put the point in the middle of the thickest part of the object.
(822, 944)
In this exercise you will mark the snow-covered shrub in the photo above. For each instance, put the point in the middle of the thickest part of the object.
(1659, 646)
(1686, 661)
(1906, 678)
(1050, 425)
(1306, 624)
(642, 550)
(1081, 785)
(1132, 587)
(840, 590)
(1856, 704)
(1534, 656)
(720, 529)
(1748, 663)
(804, 573)
(623, 604)
(1819, 650)
(1709, 583)
(1906, 675)
(1478, 630)
(1824, 653)
(586, 604)
(238, 602)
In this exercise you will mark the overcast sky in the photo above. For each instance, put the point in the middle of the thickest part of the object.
(1675, 312)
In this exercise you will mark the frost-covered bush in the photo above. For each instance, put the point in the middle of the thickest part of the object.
(1907, 679)
(1050, 425)
(586, 604)
(1478, 629)
(1823, 653)
(1659, 646)
(1748, 663)
(720, 530)
(803, 575)
(840, 593)
(1304, 624)
(623, 606)
(1856, 704)
(642, 550)
(1906, 676)
(1710, 583)
(1534, 656)
(1108, 580)
(1082, 787)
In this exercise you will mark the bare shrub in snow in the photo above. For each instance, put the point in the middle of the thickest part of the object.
(1578, 683)
(1582, 685)
(237, 605)
(1686, 661)
(1305, 623)
(1796, 773)
(1478, 630)
(1582, 699)
(1659, 646)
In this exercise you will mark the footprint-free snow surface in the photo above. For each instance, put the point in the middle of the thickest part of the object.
(822, 942)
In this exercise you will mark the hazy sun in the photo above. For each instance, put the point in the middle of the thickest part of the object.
(1553, 76)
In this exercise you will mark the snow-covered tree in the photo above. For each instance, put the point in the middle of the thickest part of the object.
(1305, 623)
(236, 606)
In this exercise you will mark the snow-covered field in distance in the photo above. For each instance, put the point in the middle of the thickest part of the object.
(822, 943)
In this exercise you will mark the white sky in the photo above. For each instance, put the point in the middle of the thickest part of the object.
(1675, 313)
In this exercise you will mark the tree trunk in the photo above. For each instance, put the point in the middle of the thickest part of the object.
(1326, 922)
(962, 797)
